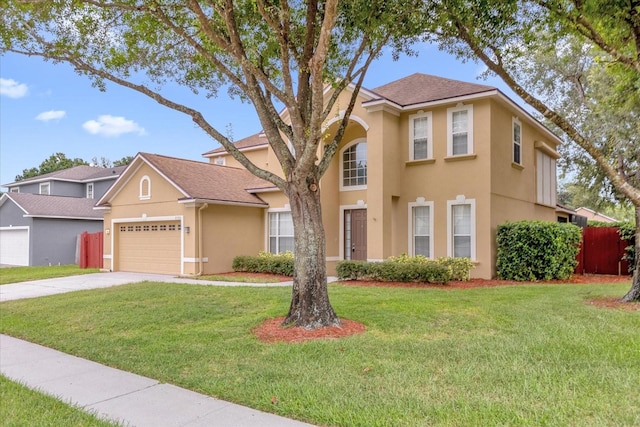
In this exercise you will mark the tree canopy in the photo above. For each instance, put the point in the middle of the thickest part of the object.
(275, 55)
(59, 161)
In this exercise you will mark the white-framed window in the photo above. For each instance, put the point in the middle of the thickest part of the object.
(460, 130)
(145, 188)
(545, 179)
(516, 136)
(45, 188)
(90, 190)
(353, 166)
(14, 190)
(420, 136)
(220, 161)
(280, 231)
(461, 227)
(421, 228)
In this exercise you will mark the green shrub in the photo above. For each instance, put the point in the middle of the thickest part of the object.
(396, 269)
(265, 262)
(537, 250)
(460, 267)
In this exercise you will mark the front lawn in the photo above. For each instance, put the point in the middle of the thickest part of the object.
(24, 407)
(25, 274)
(510, 355)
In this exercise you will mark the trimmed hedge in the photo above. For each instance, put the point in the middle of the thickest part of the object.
(265, 262)
(537, 250)
(404, 268)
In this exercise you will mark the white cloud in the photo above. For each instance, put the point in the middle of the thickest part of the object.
(51, 115)
(108, 126)
(12, 88)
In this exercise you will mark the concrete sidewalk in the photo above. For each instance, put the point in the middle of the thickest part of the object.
(39, 288)
(121, 396)
(128, 398)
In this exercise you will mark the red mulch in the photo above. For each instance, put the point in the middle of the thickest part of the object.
(272, 331)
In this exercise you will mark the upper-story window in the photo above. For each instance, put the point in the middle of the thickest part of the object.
(90, 190)
(420, 136)
(545, 179)
(45, 188)
(14, 190)
(353, 167)
(219, 161)
(145, 188)
(460, 130)
(516, 135)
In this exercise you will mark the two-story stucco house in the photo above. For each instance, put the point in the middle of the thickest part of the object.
(427, 166)
(41, 217)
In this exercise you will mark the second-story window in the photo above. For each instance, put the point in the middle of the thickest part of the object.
(516, 135)
(354, 166)
(45, 188)
(420, 146)
(14, 190)
(219, 161)
(90, 190)
(460, 130)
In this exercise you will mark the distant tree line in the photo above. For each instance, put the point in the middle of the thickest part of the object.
(59, 161)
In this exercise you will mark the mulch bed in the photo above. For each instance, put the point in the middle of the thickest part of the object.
(271, 330)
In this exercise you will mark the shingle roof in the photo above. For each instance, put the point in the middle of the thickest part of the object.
(419, 88)
(199, 180)
(77, 173)
(40, 205)
(248, 142)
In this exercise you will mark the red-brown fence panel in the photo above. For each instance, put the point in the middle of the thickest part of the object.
(91, 250)
(602, 252)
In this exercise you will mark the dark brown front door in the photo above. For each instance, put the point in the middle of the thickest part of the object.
(355, 234)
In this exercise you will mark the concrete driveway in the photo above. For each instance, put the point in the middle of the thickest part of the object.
(38, 288)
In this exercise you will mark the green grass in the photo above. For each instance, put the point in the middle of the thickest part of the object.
(24, 274)
(242, 279)
(513, 355)
(24, 407)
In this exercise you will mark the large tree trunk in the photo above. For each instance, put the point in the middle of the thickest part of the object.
(310, 307)
(634, 292)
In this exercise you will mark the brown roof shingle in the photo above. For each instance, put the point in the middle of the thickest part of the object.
(250, 141)
(40, 205)
(418, 88)
(199, 180)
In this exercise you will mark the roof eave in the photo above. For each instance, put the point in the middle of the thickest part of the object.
(224, 202)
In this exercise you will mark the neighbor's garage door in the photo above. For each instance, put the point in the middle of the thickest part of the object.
(149, 247)
(14, 246)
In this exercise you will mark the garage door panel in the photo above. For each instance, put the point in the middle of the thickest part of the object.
(152, 247)
(14, 246)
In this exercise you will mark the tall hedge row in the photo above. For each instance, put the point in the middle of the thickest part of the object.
(537, 250)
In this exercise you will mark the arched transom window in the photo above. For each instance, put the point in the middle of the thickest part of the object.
(354, 166)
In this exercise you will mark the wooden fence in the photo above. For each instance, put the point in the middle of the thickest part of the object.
(91, 250)
(602, 252)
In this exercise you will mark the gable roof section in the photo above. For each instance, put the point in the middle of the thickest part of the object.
(75, 174)
(196, 180)
(257, 140)
(419, 88)
(44, 206)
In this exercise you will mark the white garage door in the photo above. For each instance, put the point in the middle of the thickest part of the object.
(14, 246)
(149, 247)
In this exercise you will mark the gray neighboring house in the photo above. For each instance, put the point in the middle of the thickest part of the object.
(41, 217)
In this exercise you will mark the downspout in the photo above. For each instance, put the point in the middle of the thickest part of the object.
(200, 250)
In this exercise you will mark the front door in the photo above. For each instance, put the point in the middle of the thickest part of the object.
(355, 234)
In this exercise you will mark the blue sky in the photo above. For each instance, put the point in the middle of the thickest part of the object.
(47, 108)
